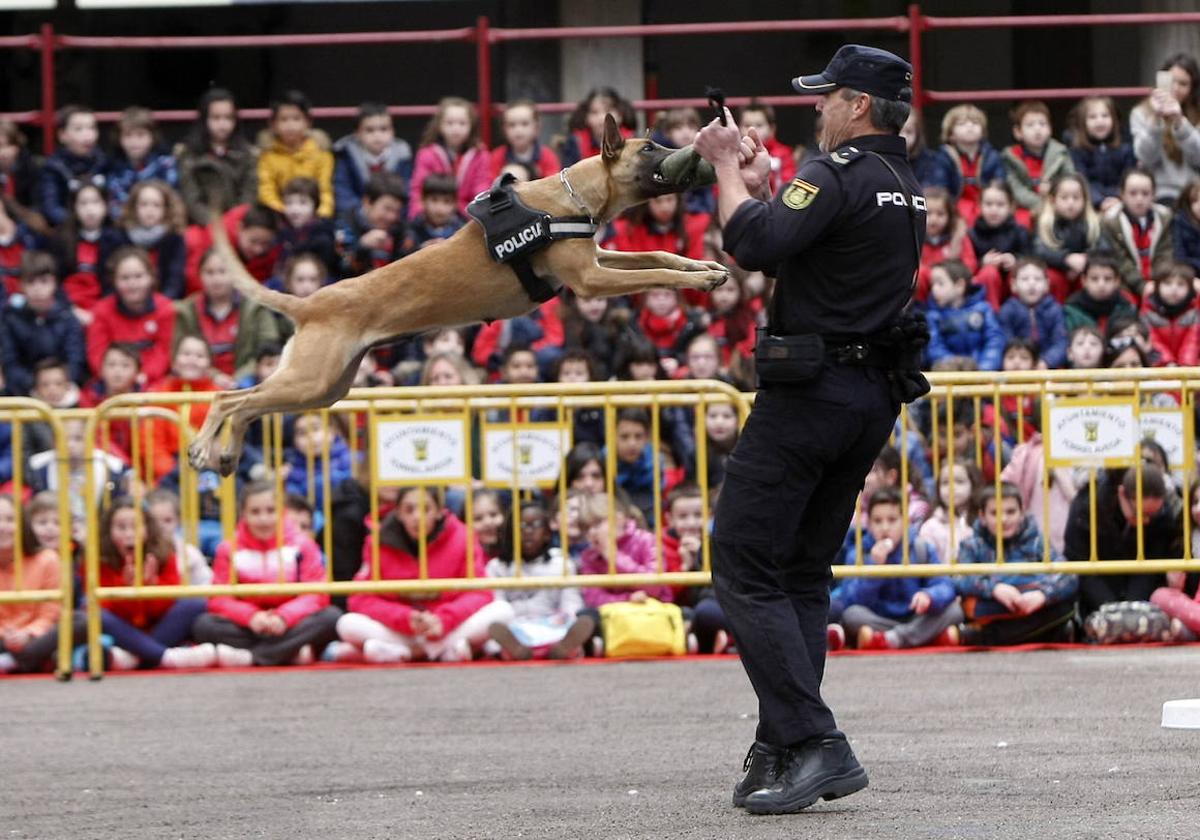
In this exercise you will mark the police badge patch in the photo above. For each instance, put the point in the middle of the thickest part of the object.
(799, 194)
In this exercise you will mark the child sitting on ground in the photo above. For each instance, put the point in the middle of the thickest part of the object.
(683, 552)
(1035, 160)
(22, 625)
(487, 515)
(1098, 150)
(450, 147)
(945, 239)
(438, 217)
(375, 235)
(521, 144)
(967, 160)
(961, 323)
(136, 315)
(544, 622)
(140, 157)
(84, 246)
(153, 220)
(1033, 314)
(1169, 313)
(303, 231)
(1086, 348)
(304, 458)
(901, 612)
(1011, 609)
(267, 630)
(958, 485)
(635, 459)
(446, 626)
(37, 325)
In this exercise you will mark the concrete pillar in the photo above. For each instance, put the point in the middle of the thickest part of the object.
(588, 63)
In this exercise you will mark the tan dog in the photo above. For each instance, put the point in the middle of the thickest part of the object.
(457, 282)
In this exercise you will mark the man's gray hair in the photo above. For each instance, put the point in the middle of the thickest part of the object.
(886, 114)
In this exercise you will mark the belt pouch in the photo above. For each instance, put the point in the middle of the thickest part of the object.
(789, 358)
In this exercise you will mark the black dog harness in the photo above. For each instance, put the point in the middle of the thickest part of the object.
(514, 232)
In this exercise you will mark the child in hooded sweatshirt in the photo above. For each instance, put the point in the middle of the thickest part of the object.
(447, 626)
(998, 241)
(1033, 314)
(1012, 609)
(1169, 313)
(305, 456)
(267, 630)
(1035, 160)
(1140, 232)
(544, 623)
(450, 146)
(901, 612)
(1101, 297)
(961, 323)
(1098, 151)
(293, 150)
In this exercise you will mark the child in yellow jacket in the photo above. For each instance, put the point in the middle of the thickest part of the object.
(293, 150)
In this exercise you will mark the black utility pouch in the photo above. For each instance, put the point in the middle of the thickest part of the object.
(789, 358)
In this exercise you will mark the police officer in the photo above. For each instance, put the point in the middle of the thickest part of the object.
(843, 240)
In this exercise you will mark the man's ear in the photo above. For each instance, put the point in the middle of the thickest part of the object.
(610, 147)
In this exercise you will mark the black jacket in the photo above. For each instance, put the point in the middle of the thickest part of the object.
(1007, 238)
(1116, 539)
(26, 338)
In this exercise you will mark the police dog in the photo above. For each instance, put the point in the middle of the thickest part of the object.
(456, 282)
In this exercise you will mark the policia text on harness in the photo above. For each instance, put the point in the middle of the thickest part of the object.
(514, 232)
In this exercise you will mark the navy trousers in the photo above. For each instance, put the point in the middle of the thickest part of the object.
(784, 508)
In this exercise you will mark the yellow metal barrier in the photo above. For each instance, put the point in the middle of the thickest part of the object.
(19, 411)
(1133, 392)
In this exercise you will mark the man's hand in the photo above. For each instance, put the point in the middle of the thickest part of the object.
(718, 143)
(755, 161)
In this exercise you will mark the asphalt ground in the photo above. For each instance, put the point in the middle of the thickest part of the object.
(995, 745)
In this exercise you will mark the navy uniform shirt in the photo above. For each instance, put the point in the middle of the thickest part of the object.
(839, 240)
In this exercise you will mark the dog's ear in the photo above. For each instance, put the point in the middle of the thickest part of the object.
(611, 146)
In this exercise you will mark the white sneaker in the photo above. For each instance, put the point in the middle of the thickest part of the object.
(200, 656)
(231, 657)
(122, 660)
(457, 651)
(342, 652)
(304, 656)
(693, 644)
(380, 651)
(8, 663)
(598, 647)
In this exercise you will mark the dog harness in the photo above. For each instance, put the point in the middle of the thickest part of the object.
(515, 231)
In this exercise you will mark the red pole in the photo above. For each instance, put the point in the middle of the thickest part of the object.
(916, 23)
(48, 102)
(483, 57)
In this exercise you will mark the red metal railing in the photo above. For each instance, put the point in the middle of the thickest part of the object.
(484, 36)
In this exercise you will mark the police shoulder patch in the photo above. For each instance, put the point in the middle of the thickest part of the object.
(799, 194)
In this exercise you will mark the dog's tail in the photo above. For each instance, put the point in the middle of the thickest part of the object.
(244, 281)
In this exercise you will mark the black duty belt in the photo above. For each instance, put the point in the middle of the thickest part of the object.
(860, 354)
(514, 232)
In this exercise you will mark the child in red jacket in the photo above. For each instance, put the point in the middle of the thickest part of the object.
(267, 630)
(135, 315)
(1169, 312)
(521, 144)
(663, 224)
(669, 325)
(447, 626)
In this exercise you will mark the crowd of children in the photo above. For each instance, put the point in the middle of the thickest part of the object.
(1072, 252)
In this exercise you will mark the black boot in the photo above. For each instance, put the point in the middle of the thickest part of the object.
(761, 769)
(821, 768)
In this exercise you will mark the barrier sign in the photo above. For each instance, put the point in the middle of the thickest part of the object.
(1170, 428)
(538, 453)
(1101, 432)
(420, 449)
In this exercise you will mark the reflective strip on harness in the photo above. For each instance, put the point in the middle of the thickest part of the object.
(514, 232)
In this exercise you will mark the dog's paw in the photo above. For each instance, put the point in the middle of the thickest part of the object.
(198, 456)
(717, 278)
(227, 463)
(710, 265)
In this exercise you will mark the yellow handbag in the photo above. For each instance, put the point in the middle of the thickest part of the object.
(650, 628)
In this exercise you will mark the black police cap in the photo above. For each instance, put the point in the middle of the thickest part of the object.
(868, 69)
